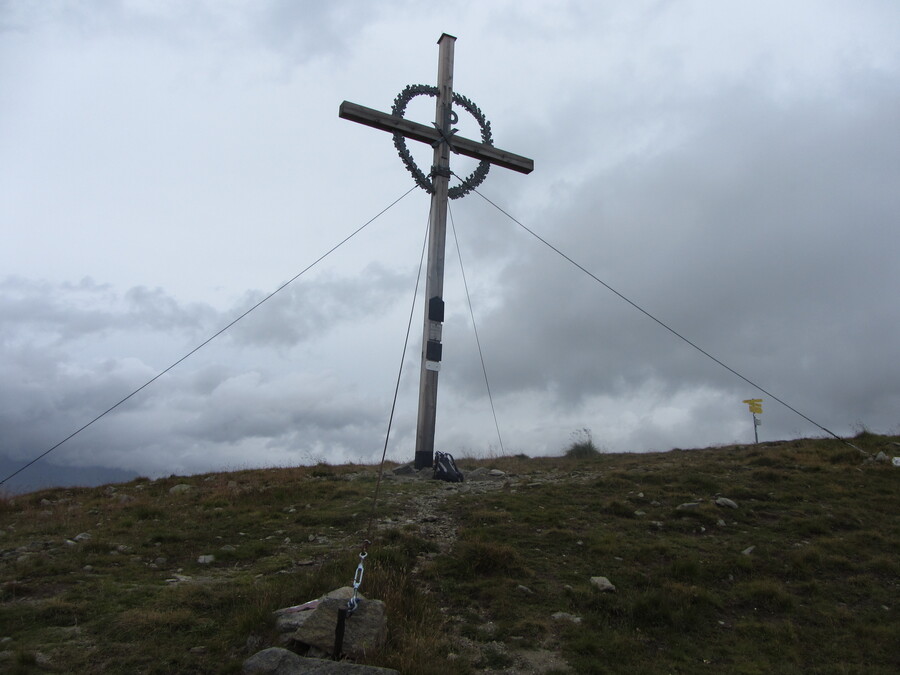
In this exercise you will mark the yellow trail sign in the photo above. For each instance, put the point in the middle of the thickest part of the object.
(755, 405)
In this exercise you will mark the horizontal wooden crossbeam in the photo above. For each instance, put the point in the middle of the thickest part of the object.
(428, 134)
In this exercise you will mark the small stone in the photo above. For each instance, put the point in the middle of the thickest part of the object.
(639, 513)
(197, 650)
(687, 505)
(496, 473)
(206, 559)
(405, 470)
(720, 522)
(228, 547)
(84, 536)
(880, 457)
(748, 550)
(603, 585)
(180, 489)
(87, 568)
(724, 501)
(311, 537)
(524, 589)
(565, 616)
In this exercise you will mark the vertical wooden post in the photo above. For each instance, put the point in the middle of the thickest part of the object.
(434, 285)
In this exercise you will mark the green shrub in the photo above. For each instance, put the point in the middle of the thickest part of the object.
(582, 446)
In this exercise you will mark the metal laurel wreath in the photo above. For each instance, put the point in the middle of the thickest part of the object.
(476, 177)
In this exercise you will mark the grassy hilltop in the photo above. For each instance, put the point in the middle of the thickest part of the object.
(802, 577)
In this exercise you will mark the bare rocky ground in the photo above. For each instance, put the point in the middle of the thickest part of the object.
(719, 556)
(432, 521)
(426, 515)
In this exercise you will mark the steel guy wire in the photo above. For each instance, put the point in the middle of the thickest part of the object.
(387, 435)
(663, 324)
(215, 335)
(487, 384)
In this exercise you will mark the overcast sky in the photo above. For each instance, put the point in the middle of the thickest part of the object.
(731, 167)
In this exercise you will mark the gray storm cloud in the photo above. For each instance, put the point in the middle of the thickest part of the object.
(731, 168)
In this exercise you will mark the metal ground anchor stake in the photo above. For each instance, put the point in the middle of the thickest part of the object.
(339, 634)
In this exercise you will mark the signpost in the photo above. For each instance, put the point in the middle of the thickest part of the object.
(755, 405)
(442, 137)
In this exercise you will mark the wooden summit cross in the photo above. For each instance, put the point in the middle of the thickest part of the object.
(443, 138)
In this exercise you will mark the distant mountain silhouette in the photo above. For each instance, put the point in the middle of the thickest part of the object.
(42, 475)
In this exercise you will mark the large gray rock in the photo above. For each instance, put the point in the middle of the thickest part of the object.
(364, 631)
(277, 661)
(289, 619)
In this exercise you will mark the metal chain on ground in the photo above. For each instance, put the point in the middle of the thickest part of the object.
(353, 603)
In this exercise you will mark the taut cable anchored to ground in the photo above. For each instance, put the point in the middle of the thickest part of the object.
(387, 434)
(663, 324)
(487, 383)
(215, 335)
(353, 602)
